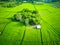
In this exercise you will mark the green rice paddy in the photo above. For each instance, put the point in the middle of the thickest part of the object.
(15, 33)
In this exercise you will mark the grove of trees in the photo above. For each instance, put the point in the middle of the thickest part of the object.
(27, 17)
(31, 0)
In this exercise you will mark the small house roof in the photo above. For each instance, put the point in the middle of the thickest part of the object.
(38, 26)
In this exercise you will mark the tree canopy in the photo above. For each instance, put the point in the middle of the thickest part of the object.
(31, 0)
(27, 17)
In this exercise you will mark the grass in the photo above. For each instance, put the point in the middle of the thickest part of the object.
(13, 31)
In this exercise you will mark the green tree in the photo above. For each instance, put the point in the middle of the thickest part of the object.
(26, 21)
(27, 17)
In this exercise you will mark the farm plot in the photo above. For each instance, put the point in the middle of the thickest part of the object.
(15, 33)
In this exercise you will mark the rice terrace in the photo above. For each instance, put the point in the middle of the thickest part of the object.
(29, 22)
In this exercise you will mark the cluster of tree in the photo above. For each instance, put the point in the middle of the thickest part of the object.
(31, 0)
(10, 4)
(27, 17)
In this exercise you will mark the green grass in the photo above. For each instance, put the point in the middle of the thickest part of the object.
(13, 31)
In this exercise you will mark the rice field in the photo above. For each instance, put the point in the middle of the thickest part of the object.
(15, 33)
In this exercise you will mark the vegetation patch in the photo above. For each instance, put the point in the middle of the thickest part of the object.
(9, 4)
(27, 17)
